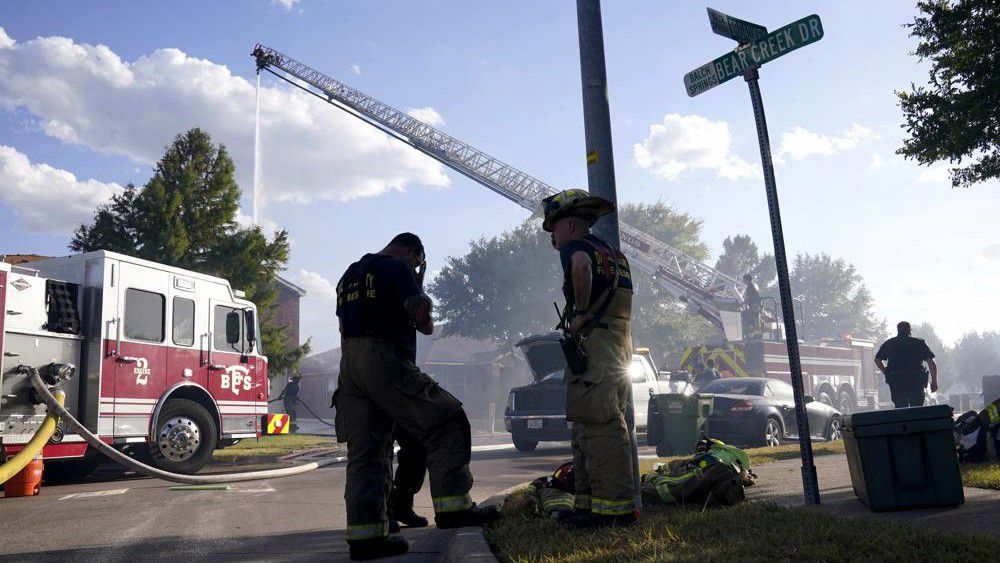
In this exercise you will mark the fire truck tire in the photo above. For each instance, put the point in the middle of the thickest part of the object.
(845, 402)
(186, 436)
(826, 397)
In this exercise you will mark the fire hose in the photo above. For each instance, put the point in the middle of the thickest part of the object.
(316, 416)
(56, 410)
(35, 445)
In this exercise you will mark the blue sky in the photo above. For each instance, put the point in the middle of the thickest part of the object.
(91, 92)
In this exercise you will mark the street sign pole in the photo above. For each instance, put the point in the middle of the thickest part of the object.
(810, 485)
(601, 162)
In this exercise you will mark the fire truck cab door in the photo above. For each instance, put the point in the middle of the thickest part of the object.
(232, 371)
(141, 344)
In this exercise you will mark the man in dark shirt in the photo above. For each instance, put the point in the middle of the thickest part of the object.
(905, 373)
(380, 305)
(708, 374)
(290, 399)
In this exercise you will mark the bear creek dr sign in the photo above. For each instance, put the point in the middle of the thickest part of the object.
(779, 42)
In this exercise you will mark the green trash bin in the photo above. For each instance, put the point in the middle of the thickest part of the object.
(904, 458)
(676, 421)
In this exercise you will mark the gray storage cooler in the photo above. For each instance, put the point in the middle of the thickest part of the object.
(904, 458)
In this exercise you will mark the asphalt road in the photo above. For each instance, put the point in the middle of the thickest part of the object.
(300, 518)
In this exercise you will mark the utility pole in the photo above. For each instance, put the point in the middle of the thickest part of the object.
(601, 161)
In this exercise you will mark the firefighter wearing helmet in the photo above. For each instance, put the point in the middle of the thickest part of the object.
(597, 284)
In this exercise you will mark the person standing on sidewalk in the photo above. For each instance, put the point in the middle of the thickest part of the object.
(380, 304)
(905, 373)
(597, 284)
(290, 398)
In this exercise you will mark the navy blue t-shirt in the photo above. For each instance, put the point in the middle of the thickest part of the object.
(904, 353)
(370, 298)
(602, 268)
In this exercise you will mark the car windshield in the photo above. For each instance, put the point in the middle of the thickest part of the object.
(734, 386)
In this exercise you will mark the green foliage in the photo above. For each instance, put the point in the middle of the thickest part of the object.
(976, 355)
(740, 256)
(834, 299)
(185, 216)
(504, 287)
(957, 116)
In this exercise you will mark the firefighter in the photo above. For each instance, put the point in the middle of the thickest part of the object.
(380, 305)
(751, 308)
(597, 285)
(708, 374)
(905, 374)
(290, 398)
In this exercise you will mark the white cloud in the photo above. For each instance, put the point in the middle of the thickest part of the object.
(47, 199)
(937, 174)
(356, 70)
(876, 162)
(286, 4)
(5, 40)
(87, 95)
(428, 115)
(316, 285)
(800, 143)
(683, 142)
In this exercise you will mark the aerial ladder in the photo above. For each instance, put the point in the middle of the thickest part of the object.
(706, 291)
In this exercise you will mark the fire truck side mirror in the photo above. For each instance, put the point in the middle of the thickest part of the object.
(251, 327)
(233, 327)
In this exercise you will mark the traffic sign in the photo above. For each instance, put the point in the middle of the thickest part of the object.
(779, 42)
(734, 28)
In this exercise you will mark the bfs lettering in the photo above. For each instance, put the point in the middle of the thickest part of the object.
(236, 378)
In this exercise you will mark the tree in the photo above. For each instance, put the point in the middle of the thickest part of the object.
(740, 256)
(958, 116)
(504, 287)
(834, 299)
(185, 216)
(976, 355)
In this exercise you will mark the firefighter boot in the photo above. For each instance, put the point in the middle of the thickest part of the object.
(472, 516)
(378, 547)
(401, 510)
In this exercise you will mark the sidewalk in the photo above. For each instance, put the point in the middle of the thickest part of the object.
(781, 482)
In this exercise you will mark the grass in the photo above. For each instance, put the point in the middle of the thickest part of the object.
(753, 531)
(981, 475)
(271, 446)
(760, 456)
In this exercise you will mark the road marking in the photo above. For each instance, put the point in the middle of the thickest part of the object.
(107, 493)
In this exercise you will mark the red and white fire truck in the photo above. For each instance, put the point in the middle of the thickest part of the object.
(168, 361)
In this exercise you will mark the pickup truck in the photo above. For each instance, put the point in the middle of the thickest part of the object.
(537, 412)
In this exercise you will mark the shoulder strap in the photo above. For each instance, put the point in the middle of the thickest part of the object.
(608, 294)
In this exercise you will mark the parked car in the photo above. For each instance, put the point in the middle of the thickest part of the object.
(537, 412)
(760, 411)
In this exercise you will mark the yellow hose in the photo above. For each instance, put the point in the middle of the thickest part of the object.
(35, 445)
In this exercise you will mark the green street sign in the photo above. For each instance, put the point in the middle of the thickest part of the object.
(734, 28)
(779, 42)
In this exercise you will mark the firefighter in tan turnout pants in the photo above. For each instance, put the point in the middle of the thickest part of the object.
(598, 288)
(381, 304)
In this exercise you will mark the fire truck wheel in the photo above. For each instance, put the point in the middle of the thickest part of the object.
(186, 436)
(845, 402)
(826, 398)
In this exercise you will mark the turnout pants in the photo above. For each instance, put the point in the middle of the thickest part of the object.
(376, 390)
(595, 402)
(412, 458)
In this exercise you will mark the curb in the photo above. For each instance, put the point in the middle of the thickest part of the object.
(470, 545)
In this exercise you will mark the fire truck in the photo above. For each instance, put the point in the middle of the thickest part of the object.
(168, 362)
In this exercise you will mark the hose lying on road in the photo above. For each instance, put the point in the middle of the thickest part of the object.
(35, 445)
(60, 411)
(316, 416)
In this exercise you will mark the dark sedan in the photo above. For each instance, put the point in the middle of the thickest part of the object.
(760, 411)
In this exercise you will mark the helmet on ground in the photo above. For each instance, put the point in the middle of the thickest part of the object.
(562, 478)
(573, 203)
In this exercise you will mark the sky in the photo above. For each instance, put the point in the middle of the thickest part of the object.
(92, 92)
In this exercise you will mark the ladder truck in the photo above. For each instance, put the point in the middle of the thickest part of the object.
(716, 296)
